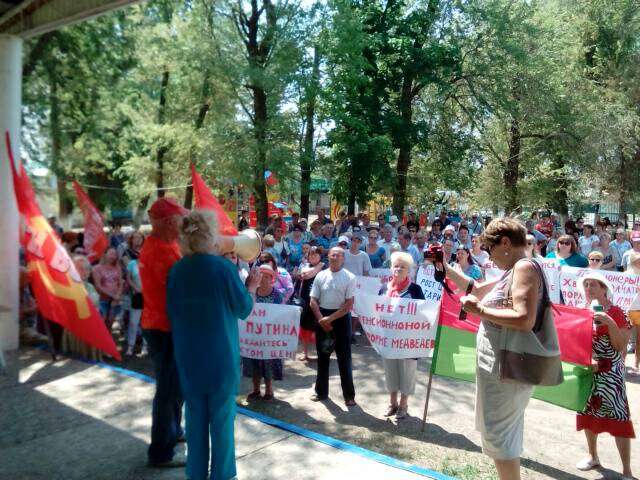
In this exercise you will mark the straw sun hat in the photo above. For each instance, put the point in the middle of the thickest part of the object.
(595, 275)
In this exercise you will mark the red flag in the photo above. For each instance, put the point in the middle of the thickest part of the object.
(95, 240)
(206, 200)
(55, 282)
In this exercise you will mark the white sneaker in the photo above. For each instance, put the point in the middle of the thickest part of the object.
(129, 352)
(588, 463)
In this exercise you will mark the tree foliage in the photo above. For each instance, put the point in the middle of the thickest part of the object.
(511, 104)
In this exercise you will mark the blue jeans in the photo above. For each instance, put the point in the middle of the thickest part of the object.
(167, 401)
(210, 416)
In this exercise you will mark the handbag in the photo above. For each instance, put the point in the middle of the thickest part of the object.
(137, 302)
(532, 357)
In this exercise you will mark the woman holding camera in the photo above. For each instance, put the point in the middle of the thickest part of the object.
(512, 302)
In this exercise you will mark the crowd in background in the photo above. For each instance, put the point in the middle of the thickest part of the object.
(297, 250)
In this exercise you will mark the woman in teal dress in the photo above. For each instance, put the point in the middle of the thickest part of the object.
(205, 299)
(567, 253)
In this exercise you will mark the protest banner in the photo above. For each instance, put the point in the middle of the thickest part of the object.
(270, 332)
(624, 285)
(366, 285)
(431, 288)
(384, 274)
(551, 270)
(399, 327)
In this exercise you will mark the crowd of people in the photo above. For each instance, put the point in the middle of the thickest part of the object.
(314, 265)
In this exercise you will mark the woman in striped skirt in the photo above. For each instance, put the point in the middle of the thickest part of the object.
(607, 409)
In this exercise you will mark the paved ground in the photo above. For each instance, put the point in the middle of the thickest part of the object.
(70, 420)
(449, 444)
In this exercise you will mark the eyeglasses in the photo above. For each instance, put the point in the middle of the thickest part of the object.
(564, 242)
(595, 260)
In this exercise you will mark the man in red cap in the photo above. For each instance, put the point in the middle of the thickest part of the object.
(159, 252)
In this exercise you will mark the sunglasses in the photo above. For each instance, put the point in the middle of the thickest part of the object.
(529, 243)
(563, 242)
(596, 260)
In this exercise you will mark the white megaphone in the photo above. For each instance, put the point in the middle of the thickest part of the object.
(246, 245)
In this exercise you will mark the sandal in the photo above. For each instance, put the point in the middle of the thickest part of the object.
(588, 464)
(254, 396)
(401, 413)
(391, 411)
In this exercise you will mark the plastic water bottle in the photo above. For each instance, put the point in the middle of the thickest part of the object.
(596, 307)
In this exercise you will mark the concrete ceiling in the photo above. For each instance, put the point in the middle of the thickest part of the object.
(28, 18)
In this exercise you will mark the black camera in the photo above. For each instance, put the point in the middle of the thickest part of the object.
(434, 253)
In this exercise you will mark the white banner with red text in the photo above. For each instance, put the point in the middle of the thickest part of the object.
(624, 284)
(399, 327)
(431, 288)
(270, 332)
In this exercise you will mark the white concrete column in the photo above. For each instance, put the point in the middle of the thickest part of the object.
(10, 111)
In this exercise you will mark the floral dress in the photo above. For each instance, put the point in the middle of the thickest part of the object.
(267, 369)
(607, 409)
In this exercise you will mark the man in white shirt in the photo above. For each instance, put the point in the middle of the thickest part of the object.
(332, 296)
(355, 260)
(387, 242)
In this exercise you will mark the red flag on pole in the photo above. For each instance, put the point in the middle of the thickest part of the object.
(207, 201)
(95, 240)
(55, 282)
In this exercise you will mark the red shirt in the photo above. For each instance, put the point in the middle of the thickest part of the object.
(156, 259)
(545, 228)
(618, 316)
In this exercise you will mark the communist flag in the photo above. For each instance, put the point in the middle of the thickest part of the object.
(206, 200)
(456, 351)
(55, 282)
(95, 240)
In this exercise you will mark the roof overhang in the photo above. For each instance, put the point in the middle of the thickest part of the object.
(28, 18)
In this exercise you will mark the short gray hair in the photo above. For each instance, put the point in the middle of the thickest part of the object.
(402, 257)
(198, 232)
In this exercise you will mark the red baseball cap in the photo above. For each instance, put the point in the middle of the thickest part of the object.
(166, 207)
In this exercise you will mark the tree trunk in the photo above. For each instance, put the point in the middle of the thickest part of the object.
(512, 168)
(623, 190)
(351, 204)
(202, 113)
(306, 161)
(404, 149)
(162, 150)
(260, 135)
(64, 203)
(140, 211)
(560, 198)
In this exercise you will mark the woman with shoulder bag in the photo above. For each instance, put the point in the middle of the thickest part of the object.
(517, 345)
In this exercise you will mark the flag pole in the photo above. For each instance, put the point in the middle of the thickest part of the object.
(434, 361)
